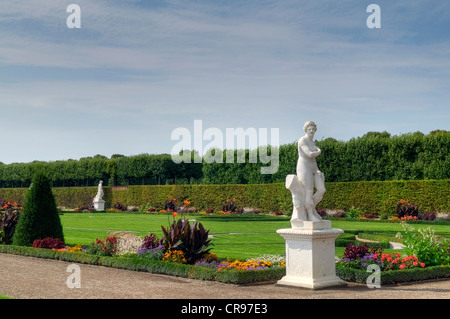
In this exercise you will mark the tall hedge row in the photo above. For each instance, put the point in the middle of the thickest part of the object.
(372, 157)
(369, 196)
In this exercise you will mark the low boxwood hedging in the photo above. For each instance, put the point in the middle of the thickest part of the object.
(349, 238)
(395, 276)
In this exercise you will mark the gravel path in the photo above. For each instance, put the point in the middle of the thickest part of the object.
(34, 278)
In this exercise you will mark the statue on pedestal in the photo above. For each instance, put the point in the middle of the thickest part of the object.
(310, 242)
(308, 177)
(98, 202)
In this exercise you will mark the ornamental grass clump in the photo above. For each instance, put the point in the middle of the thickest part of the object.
(127, 243)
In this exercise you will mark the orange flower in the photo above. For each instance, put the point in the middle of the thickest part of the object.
(175, 214)
(186, 202)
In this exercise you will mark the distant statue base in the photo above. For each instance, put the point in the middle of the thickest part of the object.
(99, 205)
(310, 256)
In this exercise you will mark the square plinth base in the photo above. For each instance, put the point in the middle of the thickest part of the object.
(310, 257)
(310, 283)
(100, 205)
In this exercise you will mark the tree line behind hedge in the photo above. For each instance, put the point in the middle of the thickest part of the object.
(376, 156)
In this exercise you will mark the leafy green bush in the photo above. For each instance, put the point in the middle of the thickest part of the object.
(39, 218)
(424, 244)
(354, 213)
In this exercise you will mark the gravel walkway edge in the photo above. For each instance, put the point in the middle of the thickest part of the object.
(35, 278)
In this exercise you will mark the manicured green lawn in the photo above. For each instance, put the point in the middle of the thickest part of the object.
(233, 237)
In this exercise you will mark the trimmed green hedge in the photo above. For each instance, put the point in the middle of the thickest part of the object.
(395, 276)
(382, 197)
(344, 242)
(370, 197)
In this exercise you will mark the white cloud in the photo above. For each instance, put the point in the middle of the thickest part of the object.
(250, 64)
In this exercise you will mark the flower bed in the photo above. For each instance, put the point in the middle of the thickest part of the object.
(232, 275)
(394, 268)
(235, 276)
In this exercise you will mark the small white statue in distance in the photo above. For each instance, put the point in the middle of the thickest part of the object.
(308, 177)
(98, 202)
(100, 194)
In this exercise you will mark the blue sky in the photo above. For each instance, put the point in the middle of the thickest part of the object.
(137, 70)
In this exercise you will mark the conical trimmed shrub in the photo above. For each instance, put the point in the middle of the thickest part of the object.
(39, 218)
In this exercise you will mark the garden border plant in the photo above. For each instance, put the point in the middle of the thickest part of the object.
(240, 277)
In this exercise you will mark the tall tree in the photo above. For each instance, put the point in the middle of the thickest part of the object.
(39, 218)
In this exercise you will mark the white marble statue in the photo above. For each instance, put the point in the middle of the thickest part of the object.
(100, 194)
(308, 177)
(310, 242)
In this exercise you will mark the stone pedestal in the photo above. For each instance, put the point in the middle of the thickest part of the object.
(310, 255)
(99, 205)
